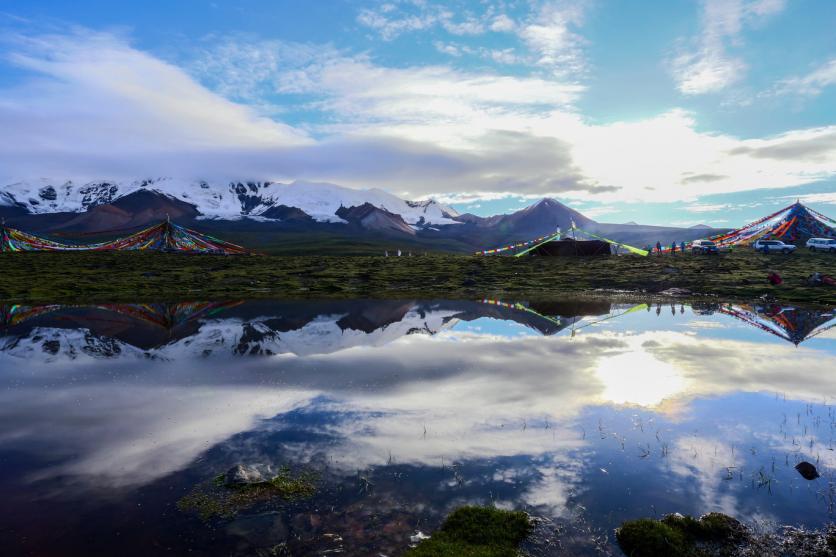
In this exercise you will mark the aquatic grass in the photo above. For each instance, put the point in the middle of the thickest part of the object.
(219, 499)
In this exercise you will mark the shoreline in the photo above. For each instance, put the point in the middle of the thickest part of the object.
(138, 276)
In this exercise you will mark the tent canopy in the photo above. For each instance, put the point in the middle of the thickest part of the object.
(793, 223)
(568, 247)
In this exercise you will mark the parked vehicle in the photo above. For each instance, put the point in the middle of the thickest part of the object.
(704, 247)
(771, 246)
(822, 244)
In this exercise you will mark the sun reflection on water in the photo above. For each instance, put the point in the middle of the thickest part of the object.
(638, 378)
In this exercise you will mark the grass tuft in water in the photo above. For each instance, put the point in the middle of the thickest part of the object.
(217, 499)
(646, 537)
(477, 532)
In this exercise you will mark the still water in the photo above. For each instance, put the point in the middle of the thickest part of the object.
(585, 414)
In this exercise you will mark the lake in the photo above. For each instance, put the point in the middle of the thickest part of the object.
(116, 421)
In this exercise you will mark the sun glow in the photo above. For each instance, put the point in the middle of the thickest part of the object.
(638, 378)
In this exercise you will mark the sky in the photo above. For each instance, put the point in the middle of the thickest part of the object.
(672, 112)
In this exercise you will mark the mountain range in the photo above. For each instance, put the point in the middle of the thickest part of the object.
(296, 217)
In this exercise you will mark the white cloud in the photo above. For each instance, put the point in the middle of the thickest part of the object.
(416, 131)
(709, 67)
(600, 211)
(707, 208)
(391, 21)
(549, 32)
(97, 97)
(811, 84)
(500, 56)
(828, 198)
(552, 36)
(390, 27)
(502, 24)
(447, 48)
(470, 26)
(504, 56)
(707, 70)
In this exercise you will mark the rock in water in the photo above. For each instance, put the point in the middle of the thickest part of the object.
(808, 471)
(241, 475)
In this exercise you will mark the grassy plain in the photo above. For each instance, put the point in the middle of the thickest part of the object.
(131, 277)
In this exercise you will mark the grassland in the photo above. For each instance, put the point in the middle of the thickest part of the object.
(121, 276)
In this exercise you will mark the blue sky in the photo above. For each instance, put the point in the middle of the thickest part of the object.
(681, 112)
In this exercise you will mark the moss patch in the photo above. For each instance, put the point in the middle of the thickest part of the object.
(647, 537)
(216, 499)
(477, 532)
(678, 535)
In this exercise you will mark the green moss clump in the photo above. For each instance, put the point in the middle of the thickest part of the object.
(217, 499)
(679, 535)
(648, 538)
(477, 532)
(719, 526)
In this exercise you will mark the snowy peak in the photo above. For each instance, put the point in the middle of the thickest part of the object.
(45, 197)
(229, 200)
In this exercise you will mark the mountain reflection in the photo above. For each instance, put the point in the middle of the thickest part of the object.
(263, 328)
(171, 330)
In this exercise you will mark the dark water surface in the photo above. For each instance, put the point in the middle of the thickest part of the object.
(583, 414)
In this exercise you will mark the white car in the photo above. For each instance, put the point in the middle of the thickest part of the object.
(822, 244)
(769, 246)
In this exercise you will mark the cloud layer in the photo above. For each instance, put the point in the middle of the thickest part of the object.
(95, 107)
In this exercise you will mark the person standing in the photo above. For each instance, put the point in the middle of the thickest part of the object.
(682, 247)
(658, 248)
(673, 247)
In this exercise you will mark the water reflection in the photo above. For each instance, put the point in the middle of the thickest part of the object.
(587, 413)
(303, 328)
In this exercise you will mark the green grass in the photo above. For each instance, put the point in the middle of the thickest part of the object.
(132, 277)
(476, 532)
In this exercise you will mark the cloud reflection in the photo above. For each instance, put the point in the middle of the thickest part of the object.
(407, 398)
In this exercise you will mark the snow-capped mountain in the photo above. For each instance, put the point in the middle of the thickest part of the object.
(229, 200)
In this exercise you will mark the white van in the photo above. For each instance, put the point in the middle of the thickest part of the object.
(822, 244)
